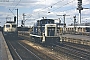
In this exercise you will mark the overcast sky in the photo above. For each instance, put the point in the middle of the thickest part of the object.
(36, 9)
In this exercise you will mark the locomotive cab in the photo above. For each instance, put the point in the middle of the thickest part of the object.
(50, 35)
(10, 30)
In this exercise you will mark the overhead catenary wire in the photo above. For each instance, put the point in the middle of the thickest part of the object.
(10, 8)
(14, 7)
(12, 12)
(64, 5)
(53, 4)
(12, 2)
(60, 6)
(49, 5)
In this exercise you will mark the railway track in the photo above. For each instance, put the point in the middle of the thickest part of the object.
(75, 51)
(46, 51)
(20, 51)
(72, 51)
(81, 49)
(78, 46)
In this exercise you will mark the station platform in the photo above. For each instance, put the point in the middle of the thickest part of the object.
(4, 51)
(79, 39)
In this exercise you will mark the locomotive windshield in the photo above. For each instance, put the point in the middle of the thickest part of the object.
(51, 31)
(7, 26)
(14, 26)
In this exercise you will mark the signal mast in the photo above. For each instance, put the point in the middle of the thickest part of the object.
(80, 8)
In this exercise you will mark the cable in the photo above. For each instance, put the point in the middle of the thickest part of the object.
(60, 6)
(16, 5)
(48, 6)
(64, 5)
(57, 2)
(10, 9)
(51, 5)
(12, 12)
(68, 9)
(13, 3)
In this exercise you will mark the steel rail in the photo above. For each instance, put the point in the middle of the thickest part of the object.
(29, 51)
(15, 51)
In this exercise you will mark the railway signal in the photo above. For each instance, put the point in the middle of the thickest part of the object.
(14, 19)
(23, 21)
(80, 8)
(79, 5)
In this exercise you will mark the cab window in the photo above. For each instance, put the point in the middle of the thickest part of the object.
(7, 26)
(14, 26)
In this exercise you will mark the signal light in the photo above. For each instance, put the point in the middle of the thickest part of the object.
(79, 5)
(22, 22)
(14, 19)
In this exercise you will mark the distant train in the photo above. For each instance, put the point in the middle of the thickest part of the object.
(85, 30)
(45, 31)
(10, 29)
(78, 28)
